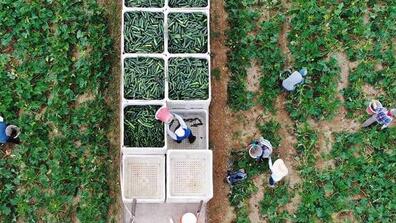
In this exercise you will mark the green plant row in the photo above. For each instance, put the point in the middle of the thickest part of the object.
(188, 79)
(143, 32)
(52, 58)
(144, 78)
(145, 3)
(240, 40)
(188, 33)
(141, 129)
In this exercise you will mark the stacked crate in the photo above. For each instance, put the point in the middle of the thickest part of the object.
(165, 61)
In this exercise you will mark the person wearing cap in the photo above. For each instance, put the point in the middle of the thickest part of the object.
(8, 133)
(260, 149)
(182, 131)
(278, 171)
(381, 116)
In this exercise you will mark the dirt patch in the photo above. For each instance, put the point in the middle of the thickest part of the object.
(244, 126)
(283, 42)
(253, 77)
(254, 209)
(370, 92)
(219, 208)
(89, 96)
(343, 216)
(286, 150)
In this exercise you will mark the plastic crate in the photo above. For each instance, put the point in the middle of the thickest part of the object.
(139, 150)
(143, 178)
(195, 104)
(189, 176)
(200, 131)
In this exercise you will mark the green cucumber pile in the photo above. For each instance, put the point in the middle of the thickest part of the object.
(141, 129)
(144, 3)
(187, 3)
(188, 33)
(143, 32)
(188, 79)
(144, 78)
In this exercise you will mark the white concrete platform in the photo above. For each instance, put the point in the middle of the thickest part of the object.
(161, 213)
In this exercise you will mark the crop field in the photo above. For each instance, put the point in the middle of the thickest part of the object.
(54, 70)
(338, 171)
(62, 64)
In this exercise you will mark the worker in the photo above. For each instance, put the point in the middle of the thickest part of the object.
(182, 131)
(278, 171)
(260, 148)
(382, 116)
(8, 133)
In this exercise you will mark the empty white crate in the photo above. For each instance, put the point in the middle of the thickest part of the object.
(143, 178)
(189, 176)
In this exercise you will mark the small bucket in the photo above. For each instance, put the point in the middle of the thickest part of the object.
(255, 151)
(163, 114)
(373, 106)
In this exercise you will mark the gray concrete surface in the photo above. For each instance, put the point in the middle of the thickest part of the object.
(161, 213)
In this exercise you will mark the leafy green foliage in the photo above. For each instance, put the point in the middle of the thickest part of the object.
(241, 43)
(269, 131)
(243, 190)
(273, 200)
(52, 54)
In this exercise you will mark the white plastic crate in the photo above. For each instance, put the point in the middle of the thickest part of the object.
(189, 176)
(143, 178)
(200, 131)
(166, 55)
(139, 150)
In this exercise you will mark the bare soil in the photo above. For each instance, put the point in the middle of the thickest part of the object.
(219, 208)
(254, 214)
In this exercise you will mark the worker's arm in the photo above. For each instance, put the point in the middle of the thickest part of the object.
(270, 163)
(170, 133)
(181, 121)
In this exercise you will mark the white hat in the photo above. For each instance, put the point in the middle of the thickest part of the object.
(393, 112)
(279, 170)
(1, 119)
(189, 218)
(180, 132)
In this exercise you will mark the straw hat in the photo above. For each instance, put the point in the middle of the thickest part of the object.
(189, 218)
(279, 170)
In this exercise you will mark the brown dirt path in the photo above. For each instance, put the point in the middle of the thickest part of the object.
(219, 208)
(254, 214)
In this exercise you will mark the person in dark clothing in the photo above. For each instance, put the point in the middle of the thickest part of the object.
(8, 133)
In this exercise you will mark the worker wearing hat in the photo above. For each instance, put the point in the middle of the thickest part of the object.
(381, 116)
(8, 133)
(278, 171)
(182, 131)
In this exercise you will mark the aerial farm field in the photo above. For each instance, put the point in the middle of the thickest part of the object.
(338, 172)
(60, 73)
